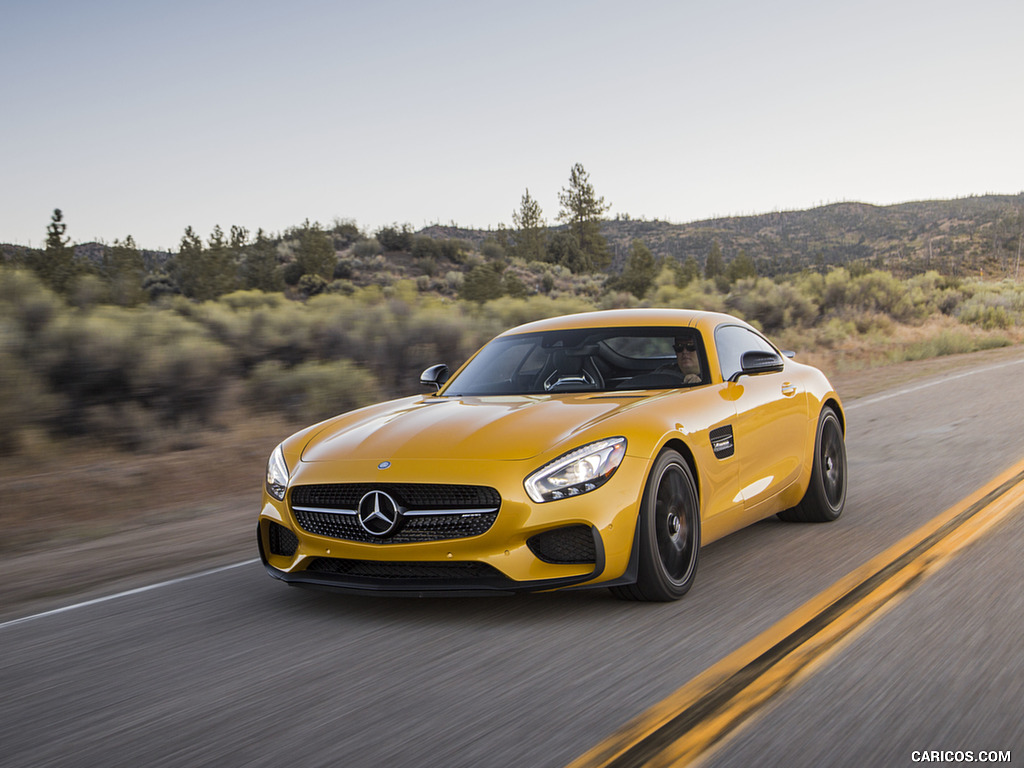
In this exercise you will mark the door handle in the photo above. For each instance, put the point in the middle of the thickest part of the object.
(788, 389)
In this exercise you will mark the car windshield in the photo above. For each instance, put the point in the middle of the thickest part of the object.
(585, 360)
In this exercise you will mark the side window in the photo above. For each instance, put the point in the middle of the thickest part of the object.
(732, 341)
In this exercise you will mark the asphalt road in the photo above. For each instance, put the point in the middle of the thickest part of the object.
(235, 669)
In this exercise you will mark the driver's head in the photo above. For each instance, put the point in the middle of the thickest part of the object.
(686, 355)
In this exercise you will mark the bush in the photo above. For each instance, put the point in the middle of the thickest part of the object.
(455, 250)
(251, 299)
(482, 283)
(366, 249)
(344, 269)
(395, 238)
(311, 285)
(424, 247)
(292, 272)
(774, 306)
(26, 400)
(110, 357)
(697, 294)
(27, 302)
(310, 391)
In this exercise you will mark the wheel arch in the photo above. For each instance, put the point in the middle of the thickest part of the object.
(680, 447)
(833, 403)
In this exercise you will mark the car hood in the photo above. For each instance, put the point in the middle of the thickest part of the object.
(490, 428)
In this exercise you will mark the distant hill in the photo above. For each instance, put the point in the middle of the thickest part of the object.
(967, 236)
(979, 235)
(958, 237)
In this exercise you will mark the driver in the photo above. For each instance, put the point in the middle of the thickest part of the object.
(686, 359)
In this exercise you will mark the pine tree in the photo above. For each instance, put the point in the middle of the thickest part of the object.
(564, 248)
(259, 268)
(239, 239)
(316, 251)
(220, 269)
(583, 211)
(741, 267)
(123, 269)
(641, 268)
(56, 266)
(529, 239)
(187, 269)
(715, 265)
(689, 272)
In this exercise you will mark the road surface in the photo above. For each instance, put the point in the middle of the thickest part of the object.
(232, 668)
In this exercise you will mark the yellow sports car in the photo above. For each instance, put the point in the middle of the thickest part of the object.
(594, 450)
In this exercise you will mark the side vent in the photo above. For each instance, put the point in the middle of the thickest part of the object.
(722, 442)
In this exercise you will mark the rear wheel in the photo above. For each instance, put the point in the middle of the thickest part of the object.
(669, 533)
(826, 495)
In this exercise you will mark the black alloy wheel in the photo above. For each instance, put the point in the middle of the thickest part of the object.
(826, 495)
(669, 532)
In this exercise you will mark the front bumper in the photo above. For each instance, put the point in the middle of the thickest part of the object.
(422, 579)
(502, 560)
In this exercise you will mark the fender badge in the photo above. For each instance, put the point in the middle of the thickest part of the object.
(384, 465)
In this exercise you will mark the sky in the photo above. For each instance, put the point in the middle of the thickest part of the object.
(144, 118)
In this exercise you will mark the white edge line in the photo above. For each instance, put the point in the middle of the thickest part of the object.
(933, 383)
(126, 593)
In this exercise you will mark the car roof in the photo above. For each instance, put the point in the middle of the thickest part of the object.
(628, 318)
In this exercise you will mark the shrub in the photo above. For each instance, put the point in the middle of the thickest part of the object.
(344, 269)
(987, 316)
(366, 249)
(292, 272)
(697, 294)
(251, 299)
(772, 305)
(26, 401)
(455, 250)
(482, 283)
(424, 247)
(395, 238)
(26, 301)
(311, 285)
(310, 391)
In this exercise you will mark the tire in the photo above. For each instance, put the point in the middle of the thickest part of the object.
(669, 532)
(825, 497)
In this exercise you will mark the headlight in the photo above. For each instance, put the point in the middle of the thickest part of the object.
(580, 471)
(277, 474)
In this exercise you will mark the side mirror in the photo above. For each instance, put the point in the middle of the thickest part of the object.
(435, 376)
(753, 363)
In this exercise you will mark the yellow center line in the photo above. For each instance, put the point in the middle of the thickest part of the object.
(700, 716)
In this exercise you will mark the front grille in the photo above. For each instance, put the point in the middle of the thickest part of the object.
(412, 495)
(409, 531)
(282, 541)
(418, 571)
(569, 545)
(432, 511)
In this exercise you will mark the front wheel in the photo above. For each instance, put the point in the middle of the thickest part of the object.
(669, 533)
(826, 495)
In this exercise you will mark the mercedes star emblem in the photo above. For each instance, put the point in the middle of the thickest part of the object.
(378, 513)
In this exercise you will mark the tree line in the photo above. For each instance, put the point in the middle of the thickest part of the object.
(527, 257)
(305, 259)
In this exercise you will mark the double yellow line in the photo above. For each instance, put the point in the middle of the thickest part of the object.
(688, 725)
